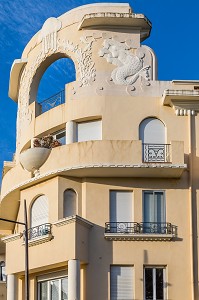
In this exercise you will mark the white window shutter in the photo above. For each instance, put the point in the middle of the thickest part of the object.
(121, 280)
(89, 131)
(70, 199)
(152, 131)
(121, 206)
(39, 211)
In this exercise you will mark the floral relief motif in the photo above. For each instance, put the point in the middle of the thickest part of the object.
(85, 65)
(129, 66)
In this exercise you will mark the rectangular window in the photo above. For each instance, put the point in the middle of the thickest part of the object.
(89, 131)
(60, 136)
(154, 211)
(121, 207)
(54, 289)
(154, 283)
(121, 283)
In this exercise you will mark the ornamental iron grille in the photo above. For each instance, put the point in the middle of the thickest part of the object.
(141, 228)
(39, 231)
(156, 153)
(53, 101)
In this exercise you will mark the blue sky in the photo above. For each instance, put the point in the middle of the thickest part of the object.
(174, 38)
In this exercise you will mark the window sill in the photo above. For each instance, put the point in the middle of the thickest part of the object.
(138, 237)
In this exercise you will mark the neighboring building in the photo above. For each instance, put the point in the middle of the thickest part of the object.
(113, 211)
(3, 290)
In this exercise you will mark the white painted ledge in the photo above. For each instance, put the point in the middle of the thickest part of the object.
(138, 237)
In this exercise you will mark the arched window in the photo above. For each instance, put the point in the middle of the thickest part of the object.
(39, 211)
(70, 199)
(152, 133)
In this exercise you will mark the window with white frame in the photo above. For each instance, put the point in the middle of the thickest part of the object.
(154, 283)
(89, 131)
(53, 289)
(121, 283)
(154, 211)
(60, 136)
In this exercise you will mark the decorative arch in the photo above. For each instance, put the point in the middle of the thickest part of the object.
(69, 203)
(80, 53)
(152, 131)
(39, 211)
(41, 69)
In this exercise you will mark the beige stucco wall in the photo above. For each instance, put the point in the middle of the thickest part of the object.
(94, 168)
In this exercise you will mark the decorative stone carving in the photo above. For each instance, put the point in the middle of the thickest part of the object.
(129, 66)
(48, 34)
(86, 67)
(184, 112)
(82, 55)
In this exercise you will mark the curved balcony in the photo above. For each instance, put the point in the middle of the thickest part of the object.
(118, 158)
(52, 101)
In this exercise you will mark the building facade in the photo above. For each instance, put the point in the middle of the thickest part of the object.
(112, 206)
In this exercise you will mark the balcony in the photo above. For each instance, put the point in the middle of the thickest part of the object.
(39, 234)
(68, 238)
(52, 101)
(140, 231)
(156, 153)
(105, 158)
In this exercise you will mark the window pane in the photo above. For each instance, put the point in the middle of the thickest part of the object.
(149, 207)
(54, 290)
(61, 137)
(160, 206)
(148, 283)
(64, 289)
(44, 290)
(159, 284)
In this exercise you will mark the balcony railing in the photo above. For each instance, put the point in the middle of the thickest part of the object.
(39, 231)
(140, 228)
(53, 101)
(156, 153)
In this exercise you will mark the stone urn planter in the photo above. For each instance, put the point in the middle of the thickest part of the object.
(32, 159)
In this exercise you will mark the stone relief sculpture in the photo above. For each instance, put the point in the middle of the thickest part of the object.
(48, 34)
(129, 66)
(85, 65)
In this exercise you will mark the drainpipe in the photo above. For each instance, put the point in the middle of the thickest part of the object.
(193, 202)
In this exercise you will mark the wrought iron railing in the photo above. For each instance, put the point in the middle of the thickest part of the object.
(156, 152)
(38, 231)
(53, 101)
(140, 228)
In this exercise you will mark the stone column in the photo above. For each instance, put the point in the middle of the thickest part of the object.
(11, 287)
(70, 132)
(73, 279)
